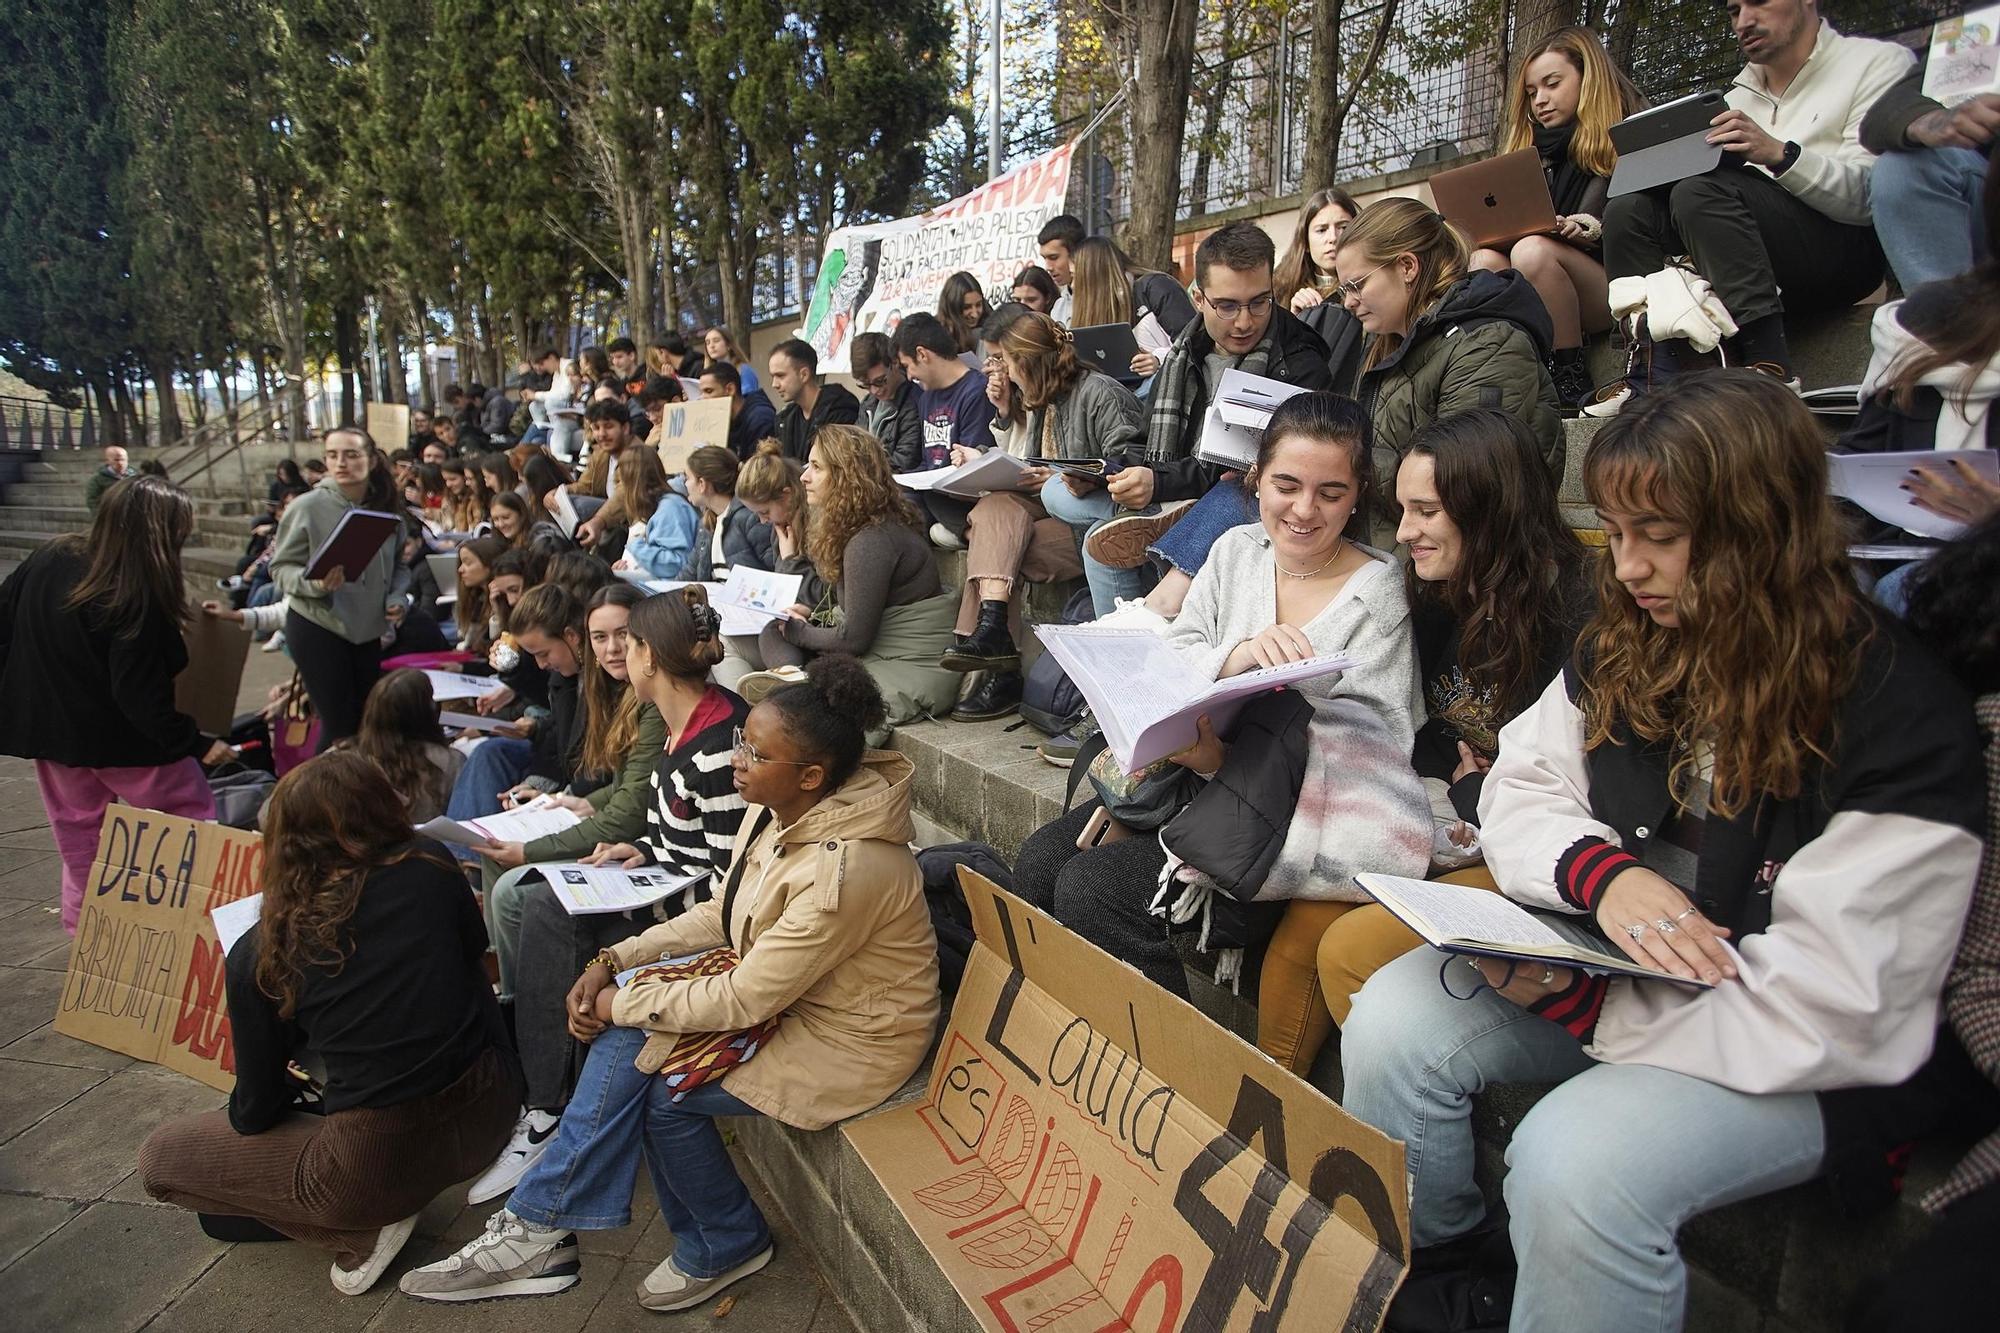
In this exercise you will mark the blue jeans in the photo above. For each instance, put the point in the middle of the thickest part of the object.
(584, 1181)
(1086, 513)
(1228, 504)
(1601, 1174)
(1892, 590)
(1926, 205)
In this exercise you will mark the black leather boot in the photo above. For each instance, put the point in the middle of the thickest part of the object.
(989, 647)
(996, 696)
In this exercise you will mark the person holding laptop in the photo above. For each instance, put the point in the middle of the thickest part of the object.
(1783, 223)
(1567, 98)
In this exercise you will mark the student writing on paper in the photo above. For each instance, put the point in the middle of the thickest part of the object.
(865, 541)
(1499, 587)
(619, 738)
(90, 643)
(1058, 408)
(692, 811)
(334, 625)
(1294, 586)
(824, 906)
(1804, 839)
(367, 963)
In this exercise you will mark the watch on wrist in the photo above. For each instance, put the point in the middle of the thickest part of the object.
(1789, 160)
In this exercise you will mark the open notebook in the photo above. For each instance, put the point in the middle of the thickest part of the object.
(1460, 919)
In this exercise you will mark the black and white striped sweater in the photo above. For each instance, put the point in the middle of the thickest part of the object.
(692, 818)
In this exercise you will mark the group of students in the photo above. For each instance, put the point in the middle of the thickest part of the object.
(1697, 740)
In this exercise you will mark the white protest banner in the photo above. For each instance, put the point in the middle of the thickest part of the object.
(872, 274)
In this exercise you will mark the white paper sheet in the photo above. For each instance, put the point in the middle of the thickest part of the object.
(597, 890)
(993, 470)
(532, 821)
(1874, 481)
(456, 685)
(234, 920)
(472, 721)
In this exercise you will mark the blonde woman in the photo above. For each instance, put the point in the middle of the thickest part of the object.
(1112, 289)
(1568, 97)
(719, 346)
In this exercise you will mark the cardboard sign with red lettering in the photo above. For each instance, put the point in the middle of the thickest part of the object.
(1094, 1153)
(146, 971)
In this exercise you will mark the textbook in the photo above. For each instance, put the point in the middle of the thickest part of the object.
(1874, 481)
(598, 890)
(537, 819)
(994, 470)
(1145, 695)
(1458, 918)
(1965, 56)
(353, 543)
(564, 513)
(1095, 469)
(1237, 415)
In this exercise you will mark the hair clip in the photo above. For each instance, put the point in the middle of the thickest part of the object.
(1064, 334)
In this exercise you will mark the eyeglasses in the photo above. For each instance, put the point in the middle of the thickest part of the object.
(748, 753)
(1353, 287)
(1256, 305)
(877, 383)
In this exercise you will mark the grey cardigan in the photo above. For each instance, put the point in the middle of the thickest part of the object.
(1234, 598)
(355, 610)
(1099, 419)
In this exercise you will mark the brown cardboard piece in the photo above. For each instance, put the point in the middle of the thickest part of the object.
(389, 426)
(685, 427)
(1094, 1153)
(146, 970)
(206, 689)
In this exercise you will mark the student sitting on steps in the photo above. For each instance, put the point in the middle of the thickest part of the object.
(836, 985)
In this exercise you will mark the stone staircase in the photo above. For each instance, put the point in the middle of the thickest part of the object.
(41, 496)
(1787, 1263)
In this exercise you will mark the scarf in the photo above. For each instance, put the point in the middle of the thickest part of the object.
(1180, 393)
(1962, 421)
(1567, 180)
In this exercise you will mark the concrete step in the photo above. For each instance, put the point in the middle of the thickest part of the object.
(1827, 349)
(201, 564)
(43, 493)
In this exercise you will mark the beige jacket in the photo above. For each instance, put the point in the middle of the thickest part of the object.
(834, 935)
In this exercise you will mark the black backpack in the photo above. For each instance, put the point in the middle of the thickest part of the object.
(950, 917)
(1049, 702)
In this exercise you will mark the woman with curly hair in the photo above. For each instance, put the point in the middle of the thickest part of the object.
(367, 963)
(1749, 778)
(890, 609)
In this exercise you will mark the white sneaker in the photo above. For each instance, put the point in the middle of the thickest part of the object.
(1133, 613)
(276, 643)
(945, 537)
(389, 1242)
(533, 1133)
(1607, 402)
(509, 1258)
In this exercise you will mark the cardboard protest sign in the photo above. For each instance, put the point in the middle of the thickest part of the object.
(1095, 1154)
(389, 426)
(871, 274)
(146, 971)
(685, 427)
(206, 689)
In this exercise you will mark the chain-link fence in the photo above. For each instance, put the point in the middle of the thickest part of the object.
(1436, 93)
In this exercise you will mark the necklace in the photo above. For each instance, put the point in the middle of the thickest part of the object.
(1338, 546)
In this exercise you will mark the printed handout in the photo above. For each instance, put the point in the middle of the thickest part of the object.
(1234, 426)
(597, 890)
(531, 821)
(993, 470)
(1141, 725)
(457, 685)
(1874, 481)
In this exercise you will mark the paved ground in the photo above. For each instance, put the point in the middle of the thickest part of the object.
(82, 1247)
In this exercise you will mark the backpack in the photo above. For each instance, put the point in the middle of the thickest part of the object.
(1049, 701)
(950, 917)
(240, 793)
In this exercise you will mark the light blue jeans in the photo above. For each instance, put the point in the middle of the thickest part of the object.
(1600, 1175)
(1228, 504)
(1086, 513)
(1926, 206)
(584, 1181)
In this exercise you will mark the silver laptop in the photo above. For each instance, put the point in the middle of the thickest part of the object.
(1109, 348)
(1665, 144)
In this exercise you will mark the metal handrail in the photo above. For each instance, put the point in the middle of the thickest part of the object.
(249, 430)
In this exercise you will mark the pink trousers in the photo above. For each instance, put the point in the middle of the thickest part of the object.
(75, 799)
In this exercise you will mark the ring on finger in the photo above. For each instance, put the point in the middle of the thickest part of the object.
(1636, 930)
(1666, 927)
(1685, 915)
(1548, 976)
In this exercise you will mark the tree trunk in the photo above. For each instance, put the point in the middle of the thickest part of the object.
(1166, 30)
(1319, 155)
(108, 419)
(347, 353)
(670, 286)
(161, 371)
(197, 401)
